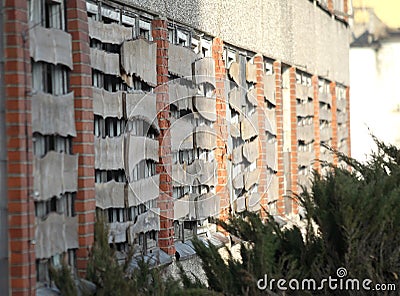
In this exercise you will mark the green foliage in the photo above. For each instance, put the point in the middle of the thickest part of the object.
(357, 213)
(64, 280)
(112, 278)
(103, 268)
(351, 219)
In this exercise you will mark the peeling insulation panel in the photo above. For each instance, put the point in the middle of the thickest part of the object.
(305, 128)
(205, 137)
(105, 62)
(109, 33)
(325, 119)
(117, 232)
(142, 106)
(55, 174)
(269, 88)
(234, 72)
(143, 190)
(250, 151)
(305, 133)
(138, 57)
(109, 153)
(181, 92)
(238, 181)
(182, 131)
(53, 114)
(326, 134)
(237, 154)
(145, 222)
(306, 157)
(253, 202)
(55, 235)
(251, 72)
(249, 126)
(199, 171)
(206, 107)
(270, 121)
(251, 178)
(207, 205)
(180, 60)
(50, 45)
(204, 71)
(110, 195)
(240, 204)
(107, 104)
(181, 208)
(138, 149)
(341, 115)
(271, 155)
(236, 99)
(252, 96)
(235, 130)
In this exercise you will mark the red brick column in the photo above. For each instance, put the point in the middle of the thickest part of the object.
(221, 128)
(317, 131)
(348, 121)
(346, 10)
(330, 6)
(83, 143)
(279, 135)
(262, 137)
(164, 166)
(332, 87)
(293, 137)
(21, 217)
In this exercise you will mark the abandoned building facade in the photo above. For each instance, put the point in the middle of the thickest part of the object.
(158, 116)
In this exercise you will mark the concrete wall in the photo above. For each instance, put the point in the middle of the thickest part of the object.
(374, 90)
(295, 32)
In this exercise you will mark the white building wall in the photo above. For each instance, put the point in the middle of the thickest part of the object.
(375, 97)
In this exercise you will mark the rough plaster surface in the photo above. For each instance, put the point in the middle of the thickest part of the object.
(295, 32)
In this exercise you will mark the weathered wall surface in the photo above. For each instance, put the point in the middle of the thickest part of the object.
(295, 32)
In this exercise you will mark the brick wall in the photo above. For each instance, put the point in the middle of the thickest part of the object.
(317, 133)
(22, 272)
(221, 128)
(165, 201)
(261, 160)
(348, 121)
(83, 143)
(293, 136)
(279, 137)
(332, 88)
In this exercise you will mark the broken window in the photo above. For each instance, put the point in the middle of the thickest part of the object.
(109, 14)
(49, 78)
(103, 176)
(45, 143)
(189, 229)
(182, 38)
(269, 67)
(109, 82)
(144, 169)
(113, 126)
(141, 128)
(64, 204)
(42, 270)
(92, 10)
(116, 215)
(145, 29)
(47, 13)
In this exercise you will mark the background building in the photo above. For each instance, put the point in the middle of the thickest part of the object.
(158, 115)
(374, 70)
